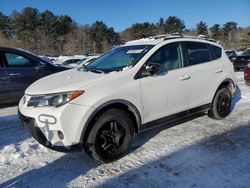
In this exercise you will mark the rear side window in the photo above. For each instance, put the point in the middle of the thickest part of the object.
(196, 53)
(217, 51)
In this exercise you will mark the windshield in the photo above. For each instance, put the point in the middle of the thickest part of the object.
(119, 58)
(246, 52)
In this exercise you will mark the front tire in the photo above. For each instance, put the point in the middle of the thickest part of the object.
(221, 104)
(111, 135)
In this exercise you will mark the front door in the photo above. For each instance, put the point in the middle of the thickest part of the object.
(21, 72)
(166, 93)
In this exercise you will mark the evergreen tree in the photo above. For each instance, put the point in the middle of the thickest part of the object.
(201, 28)
(4, 24)
(215, 31)
(174, 25)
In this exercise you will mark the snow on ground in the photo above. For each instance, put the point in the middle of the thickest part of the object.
(199, 152)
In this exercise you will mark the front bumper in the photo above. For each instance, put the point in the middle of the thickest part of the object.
(30, 125)
(45, 124)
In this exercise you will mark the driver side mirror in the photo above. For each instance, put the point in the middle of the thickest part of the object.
(43, 65)
(151, 69)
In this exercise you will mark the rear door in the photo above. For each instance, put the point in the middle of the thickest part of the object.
(4, 90)
(21, 72)
(205, 71)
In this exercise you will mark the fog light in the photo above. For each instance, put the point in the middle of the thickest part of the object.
(60, 135)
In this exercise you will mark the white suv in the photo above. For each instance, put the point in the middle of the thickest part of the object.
(130, 88)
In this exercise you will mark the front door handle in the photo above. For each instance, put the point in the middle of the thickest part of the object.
(14, 74)
(218, 71)
(185, 77)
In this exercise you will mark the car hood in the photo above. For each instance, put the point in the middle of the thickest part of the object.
(70, 80)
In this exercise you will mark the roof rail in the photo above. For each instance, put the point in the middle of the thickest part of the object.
(165, 37)
(202, 37)
(158, 37)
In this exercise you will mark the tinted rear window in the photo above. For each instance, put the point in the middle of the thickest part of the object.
(217, 51)
(197, 53)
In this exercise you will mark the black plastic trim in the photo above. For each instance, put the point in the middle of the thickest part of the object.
(175, 117)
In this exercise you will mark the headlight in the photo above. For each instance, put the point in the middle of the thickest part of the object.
(56, 100)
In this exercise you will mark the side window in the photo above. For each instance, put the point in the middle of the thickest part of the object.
(197, 53)
(14, 60)
(217, 51)
(66, 62)
(168, 56)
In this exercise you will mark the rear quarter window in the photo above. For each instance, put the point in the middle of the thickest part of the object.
(217, 51)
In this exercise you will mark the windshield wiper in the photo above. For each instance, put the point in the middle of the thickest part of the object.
(97, 71)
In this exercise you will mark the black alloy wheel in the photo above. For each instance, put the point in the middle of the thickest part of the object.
(221, 104)
(111, 135)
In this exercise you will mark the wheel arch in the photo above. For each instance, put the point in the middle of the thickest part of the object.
(229, 83)
(127, 106)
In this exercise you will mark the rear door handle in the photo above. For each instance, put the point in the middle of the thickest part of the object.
(185, 77)
(218, 71)
(14, 74)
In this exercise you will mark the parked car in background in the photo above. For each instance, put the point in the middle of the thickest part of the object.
(53, 59)
(18, 69)
(73, 64)
(66, 60)
(46, 58)
(239, 52)
(241, 61)
(88, 61)
(129, 89)
(247, 74)
(230, 54)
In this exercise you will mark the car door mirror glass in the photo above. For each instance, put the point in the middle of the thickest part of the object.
(151, 69)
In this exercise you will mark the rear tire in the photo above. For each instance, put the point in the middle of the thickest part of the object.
(111, 135)
(221, 104)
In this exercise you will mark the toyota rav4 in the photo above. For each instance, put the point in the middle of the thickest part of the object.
(147, 82)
